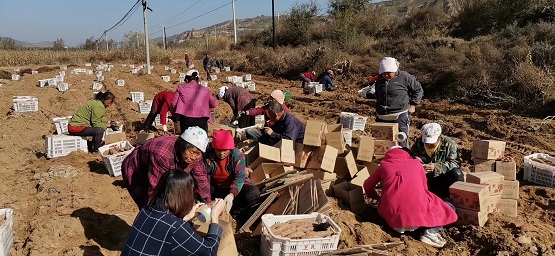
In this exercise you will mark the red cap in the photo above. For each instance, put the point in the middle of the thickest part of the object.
(223, 140)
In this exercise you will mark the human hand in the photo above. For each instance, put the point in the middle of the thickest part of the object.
(412, 109)
(241, 113)
(218, 206)
(193, 211)
(429, 167)
(229, 202)
(268, 131)
(165, 128)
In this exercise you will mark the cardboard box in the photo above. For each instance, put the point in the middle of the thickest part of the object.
(469, 196)
(302, 153)
(287, 149)
(494, 181)
(510, 189)
(484, 165)
(378, 158)
(314, 133)
(350, 194)
(508, 207)
(324, 176)
(115, 137)
(384, 131)
(468, 217)
(262, 154)
(507, 169)
(334, 128)
(227, 242)
(371, 166)
(336, 140)
(382, 146)
(268, 170)
(143, 137)
(361, 176)
(488, 149)
(322, 158)
(345, 166)
(366, 148)
(493, 202)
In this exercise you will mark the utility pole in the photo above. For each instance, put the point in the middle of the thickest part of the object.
(146, 38)
(207, 49)
(137, 36)
(273, 26)
(106, 38)
(234, 24)
(164, 37)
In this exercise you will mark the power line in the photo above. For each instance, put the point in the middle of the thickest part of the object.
(123, 19)
(213, 10)
(179, 14)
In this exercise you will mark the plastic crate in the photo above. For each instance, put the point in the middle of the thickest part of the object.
(52, 82)
(88, 64)
(62, 87)
(113, 162)
(137, 96)
(144, 106)
(250, 86)
(15, 77)
(34, 72)
(120, 82)
(63, 67)
(135, 71)
(62, 73)
(43, 83)
(6, 231)
(181, 74)
(315, 88)
(158, 122)
(272, 245)
(227, 69)
(97, 86)
(539, 173)
(166, 68)
(204, 83)
(89, 72)
(61, 124)
(98, 73)
(62, 145)
(247, 77)
(166, 78)
(173, 71)
(60, 79)
(348, 136)
(217, 70)
(241, 84)
(182, 79)
(25, 104)
(213, 77)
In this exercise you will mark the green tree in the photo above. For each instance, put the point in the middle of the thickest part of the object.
(8, 44)
(133, 40)
(59, 44)
(295, 29)
(90, 44)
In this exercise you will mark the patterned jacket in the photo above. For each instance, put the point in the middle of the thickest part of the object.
(235, 167)
(193, 100)
(445, 158)
(238, 98)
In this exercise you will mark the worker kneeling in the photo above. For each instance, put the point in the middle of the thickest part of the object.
(228, 176)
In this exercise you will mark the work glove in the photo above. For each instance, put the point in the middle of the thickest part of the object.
(229, 202)
(241, 113)
(165, 128)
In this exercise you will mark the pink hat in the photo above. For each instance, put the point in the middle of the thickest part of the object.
(278, 95)
(223, 140)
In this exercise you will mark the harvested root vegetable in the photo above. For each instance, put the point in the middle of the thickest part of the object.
(301, 229)
(115, 150)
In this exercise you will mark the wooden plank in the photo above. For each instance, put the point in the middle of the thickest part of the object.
(261, 209)
(287, 184)
(270, 180)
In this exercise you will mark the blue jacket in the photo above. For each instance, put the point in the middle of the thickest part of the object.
(326, 81)
(288, 127)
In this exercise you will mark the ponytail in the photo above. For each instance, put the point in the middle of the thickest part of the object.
(102, 96)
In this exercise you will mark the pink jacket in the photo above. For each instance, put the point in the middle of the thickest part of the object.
(193, 100)
(405, 200)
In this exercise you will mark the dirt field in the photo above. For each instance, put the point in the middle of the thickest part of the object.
(78, 209)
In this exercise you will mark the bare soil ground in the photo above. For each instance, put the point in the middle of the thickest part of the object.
(81, 210)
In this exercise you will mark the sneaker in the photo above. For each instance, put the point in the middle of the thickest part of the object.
(433, 239)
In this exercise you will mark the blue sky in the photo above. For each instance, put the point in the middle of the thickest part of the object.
(76, 20)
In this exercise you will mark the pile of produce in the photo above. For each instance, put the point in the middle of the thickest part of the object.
(115, 150)
(302, 229)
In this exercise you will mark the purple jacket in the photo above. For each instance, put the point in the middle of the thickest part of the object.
(193, 100)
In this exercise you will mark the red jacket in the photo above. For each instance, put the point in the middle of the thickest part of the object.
(162, 103)
(309, 75)
(406, 201)
(264, 111)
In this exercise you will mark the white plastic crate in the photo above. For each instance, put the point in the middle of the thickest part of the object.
(98, 73)
(247, 77)
(34, 72)
(43, 82)
(132, 66)
(15, 77)
(60, 79)
(108, 69)
(173, 71)
(353, 121)
(166, 68)
(100, 78)
(61, 124)
(120, 82)
(96, 86)
(217, 70)
(166, 78)
(52, 82)
(229, 79)
(345, 119)
(144, 106)
(259, 119)
(359, 123)
(250, 86)
(62, 73)
(182, 74)
(137, 96)
(89, 72)
(25, 104)
(134, 71)
(539, 173)
(204, 83)
(213, 77)
(182, 79)
(6, 231)
(113, 162)
(109, 131)
(63, 68)
(88, 64)
(348, 136)
(158, 122)
(62, 145)
(272, 245)
(62, 87)
(313, 89)
(241, 84)
(227, 69)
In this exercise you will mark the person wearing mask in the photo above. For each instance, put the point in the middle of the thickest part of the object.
(89, 120)
(228, 175)
(160, 105)
(397, 94)
(440, 156)
(405, 202)
(141, 170)
(276, 96)
(286, 126)
(238, 99)
(307, 77)
(163, 225)
(207, 64)
(192, 103)
(326, 80)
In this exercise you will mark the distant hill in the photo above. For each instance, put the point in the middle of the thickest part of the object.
(28, 44)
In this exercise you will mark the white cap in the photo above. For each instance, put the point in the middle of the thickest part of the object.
(221, 91)
(197, 137)
(191, 71)
(430, 133)
(388, 64)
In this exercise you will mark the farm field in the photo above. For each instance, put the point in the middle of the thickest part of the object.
(81, 210)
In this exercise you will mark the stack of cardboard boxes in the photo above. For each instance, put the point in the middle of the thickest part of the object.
(492, 187)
